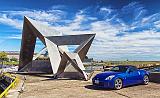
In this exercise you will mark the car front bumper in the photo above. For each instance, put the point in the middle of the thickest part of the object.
(103, 83)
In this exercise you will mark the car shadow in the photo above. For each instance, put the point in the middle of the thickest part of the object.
(92, 87)
(135, 85)
(109, 89)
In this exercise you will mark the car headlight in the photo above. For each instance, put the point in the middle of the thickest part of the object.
(110, 77)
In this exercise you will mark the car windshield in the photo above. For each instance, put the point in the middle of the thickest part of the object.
(119, 68)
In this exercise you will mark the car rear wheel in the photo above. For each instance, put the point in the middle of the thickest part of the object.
(145, 80)
(118, 84)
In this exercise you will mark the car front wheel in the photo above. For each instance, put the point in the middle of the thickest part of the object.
(145, 80)
(118, 84)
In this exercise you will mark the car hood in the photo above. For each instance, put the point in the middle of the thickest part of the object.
(103, 75)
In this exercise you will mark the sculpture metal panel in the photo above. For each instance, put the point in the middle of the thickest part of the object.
(59, 58)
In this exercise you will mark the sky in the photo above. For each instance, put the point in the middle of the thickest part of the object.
(125, 29)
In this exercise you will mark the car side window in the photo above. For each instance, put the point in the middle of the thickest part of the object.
(133, 69)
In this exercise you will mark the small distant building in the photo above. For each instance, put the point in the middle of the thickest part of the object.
(12, 54)
(15, 54)
(157, 63)
(88, 61)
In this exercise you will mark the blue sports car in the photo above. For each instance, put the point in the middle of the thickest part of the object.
(121, 76)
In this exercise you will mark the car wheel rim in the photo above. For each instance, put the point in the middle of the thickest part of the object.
(118, 84)
(146, 79)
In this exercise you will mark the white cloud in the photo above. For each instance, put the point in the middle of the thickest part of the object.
(157, 24)
(14, 18)
(49, 15)
(107, 45)
(4, 19)
(105, 10)
(151, 18)
(18, 36)
(79, 18)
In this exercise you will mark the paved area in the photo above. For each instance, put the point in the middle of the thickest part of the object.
(45, 87)
(14, 92)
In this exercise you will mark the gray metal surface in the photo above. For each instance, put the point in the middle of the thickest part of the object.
(60, 58)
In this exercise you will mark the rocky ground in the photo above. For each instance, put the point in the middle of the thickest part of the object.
(45, 87)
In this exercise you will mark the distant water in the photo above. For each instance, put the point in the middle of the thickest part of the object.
(157, 69)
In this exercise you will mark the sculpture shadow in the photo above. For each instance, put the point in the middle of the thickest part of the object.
(48, 77)
(37, 75)
(59, 79)
(42, 75)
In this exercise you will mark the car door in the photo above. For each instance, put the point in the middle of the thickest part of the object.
(132, 76)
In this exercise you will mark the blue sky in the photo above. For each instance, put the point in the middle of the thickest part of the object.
(125, 29)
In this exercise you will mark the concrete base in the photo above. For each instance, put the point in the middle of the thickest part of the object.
(38, 66)
(71, 75)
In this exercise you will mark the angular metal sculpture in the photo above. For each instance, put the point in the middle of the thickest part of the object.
(61, 61)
